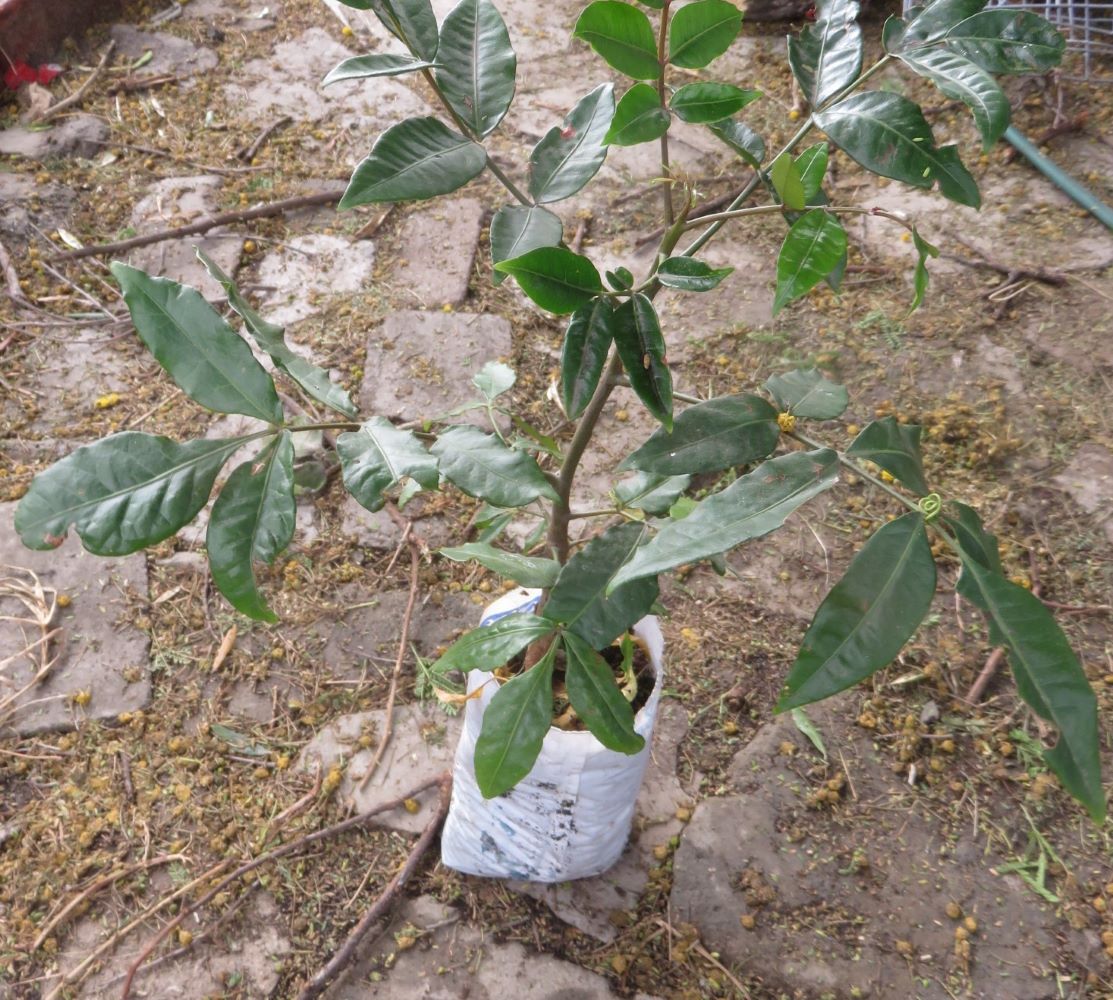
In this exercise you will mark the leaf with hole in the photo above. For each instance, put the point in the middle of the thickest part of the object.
(894, 447)
(868, 616)
(555, 278)
(200, 352)
(702, 31)
(639, 117)
(252, 521)
(569, 155)
(622, 36)
(476, 65)
(593, 692)
(378, 456)
(483, 467)
(516, 229)
(812, 249)
(806, 393)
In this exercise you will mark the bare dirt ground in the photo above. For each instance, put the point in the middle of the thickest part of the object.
(920, 850)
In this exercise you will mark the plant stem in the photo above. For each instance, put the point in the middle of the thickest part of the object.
(769, 209)
(662, 62)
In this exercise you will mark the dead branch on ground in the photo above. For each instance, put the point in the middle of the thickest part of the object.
(75, 98)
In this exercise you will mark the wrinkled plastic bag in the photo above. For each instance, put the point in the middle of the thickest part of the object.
(570, 816)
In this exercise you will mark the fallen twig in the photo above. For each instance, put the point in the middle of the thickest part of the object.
(250, 866)
(130, 84)
(207, 223)
(75, 98)
(981, 682)
(247, 154)
(125, 777)
(11, 277)
(414, 546)
(226, 645)
(317, 985)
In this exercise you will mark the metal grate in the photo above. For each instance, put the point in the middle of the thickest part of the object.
(1087, 24)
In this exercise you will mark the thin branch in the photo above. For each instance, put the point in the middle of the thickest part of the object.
(11, 276)
(662, 94)
(248, 153)
(77, 95)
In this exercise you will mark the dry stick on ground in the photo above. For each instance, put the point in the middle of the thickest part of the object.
(317, 985)
(130, 84)
(207, 223)
(278, 852)
(208, 168)
(247, 154)
(11, 277)
(75, 98)
(415, 546)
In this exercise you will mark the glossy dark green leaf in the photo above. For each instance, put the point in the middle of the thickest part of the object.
(528, 571)
(717, 434)
(640, 345)
(812, 249)
(587, 342)
(200, 352)
(811, 165)
(1048, 677)
(620, 279)
(929, 23)
(314, 381)
(973, 539)
(417, 158)
(1007, 40)
(895, 447)
(742, 139)
(749, 508)
(651, 493)
(412, 21)
(568, 156)
(785, 177)
(122, 493)
(516, 229)
(639, 117)
(888, 134)
(491, 646)
(514, 727)
(580, 599)
(868, 615)
(806, 393)
(924, 250)
(702, 31)
(690, 275)
(622, 35)
(482, 466)
(252, 520)
(376, 64)
(555, 278)
(476, 64)
(961, 80)
(826, 57)
(595, 696)
(702, 103)
(377, 456)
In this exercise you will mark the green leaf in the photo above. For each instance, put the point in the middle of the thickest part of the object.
(888, 134)
(920, 276)
(961, 80)
(491, 646)
(377, 456)
(806, 393)
(376, 64)
(717, 434)
(594, 694)
(702, 31)
(930, 23)
(895, 447)
(622, 36)
(412, 21)
(639, 117)
(515, 230)
(826, 57)
(568, 156)
(869, 614)
(637, 336)
(749, 508)
(801, 721)
(417, 158)
(812, 249)
(514, 727)
(252, 519)
(587, 342)
(528, 571)
(482, 466)
(701, 103)
(314, 381)
(555, 278)
(200, 352)
(580, 599)
(493, 379)
(784, 175)
(651, 493)
(1048, 677)
(742, 139)
(1006, 40)
(811, 165)
(620, 279)
(973, 539)
(689, 274)
(476, 64)
(122, 493)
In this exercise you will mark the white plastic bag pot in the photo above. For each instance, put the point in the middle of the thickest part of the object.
(570, 816)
